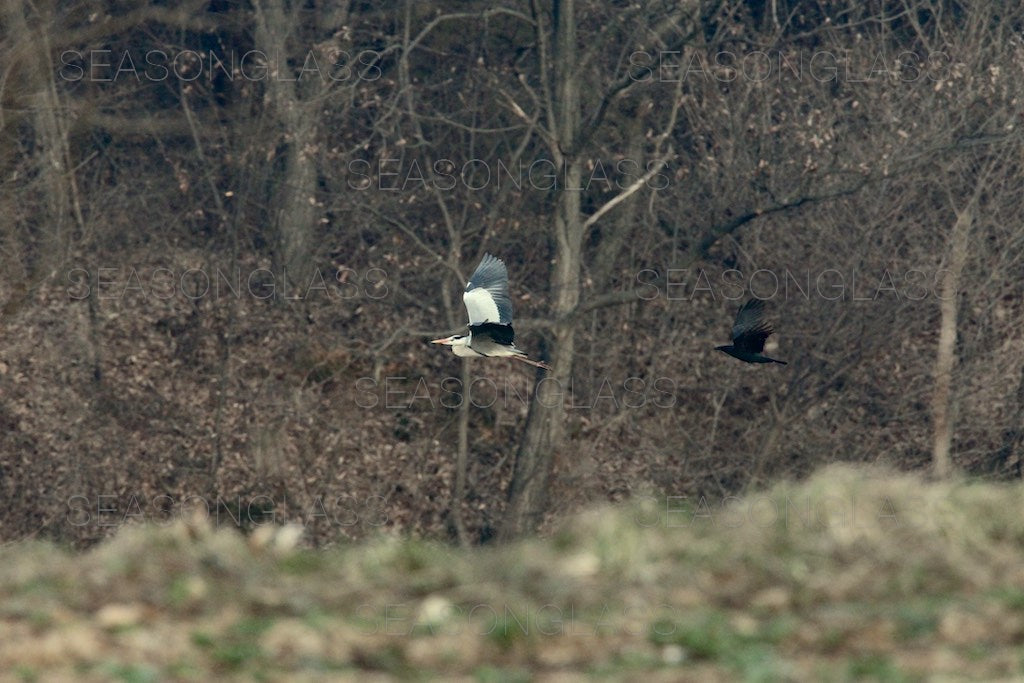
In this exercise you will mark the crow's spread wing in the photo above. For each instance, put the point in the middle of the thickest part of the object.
(750, 330)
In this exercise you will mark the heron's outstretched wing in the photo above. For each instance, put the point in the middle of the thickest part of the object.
(486, 297)
(750, 330)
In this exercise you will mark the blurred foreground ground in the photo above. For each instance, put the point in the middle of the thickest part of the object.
(855, 574)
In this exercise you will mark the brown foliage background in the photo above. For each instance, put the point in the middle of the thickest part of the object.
(218, 288)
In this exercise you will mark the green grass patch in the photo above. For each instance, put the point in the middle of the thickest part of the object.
(131, 673)
(302, 563)
(491, 674)
(875, 667)
(235, 655)
(705, 636)
(1010, 596)
(26, 674)
(916, 621)
(509, 628)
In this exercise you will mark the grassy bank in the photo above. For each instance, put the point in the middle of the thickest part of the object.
(854, 574)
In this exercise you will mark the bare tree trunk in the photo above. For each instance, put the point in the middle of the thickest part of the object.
(56, 190)
(296, 218)
(295, 102)
(545, 428)
(1010, 454)
(942, 409)
(462, 457)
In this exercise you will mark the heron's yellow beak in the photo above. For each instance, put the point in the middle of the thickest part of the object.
(441, 341)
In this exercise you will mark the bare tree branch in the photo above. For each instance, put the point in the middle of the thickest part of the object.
(625, 194)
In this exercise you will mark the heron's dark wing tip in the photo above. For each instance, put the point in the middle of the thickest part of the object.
(499, 333)
(489, 273)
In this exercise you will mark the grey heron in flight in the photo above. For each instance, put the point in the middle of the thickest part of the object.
(490, 316)
(749, 333)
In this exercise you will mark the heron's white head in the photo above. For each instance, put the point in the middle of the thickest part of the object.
(454, 340)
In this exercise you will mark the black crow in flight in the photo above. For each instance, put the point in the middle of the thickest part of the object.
(748, 334)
